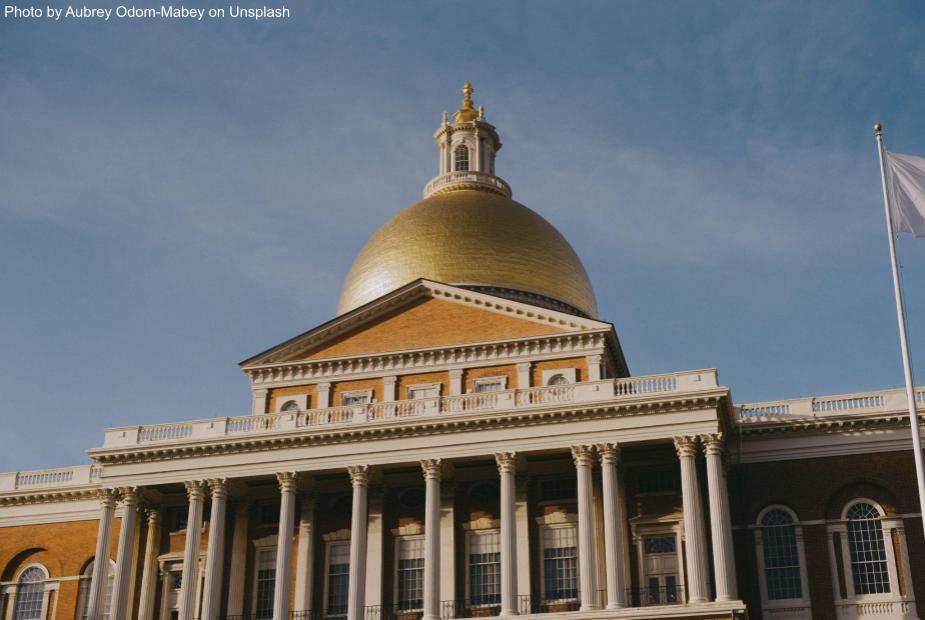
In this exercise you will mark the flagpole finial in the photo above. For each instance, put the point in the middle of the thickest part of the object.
(878, 128)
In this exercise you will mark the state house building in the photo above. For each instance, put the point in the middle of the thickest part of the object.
(465, 440)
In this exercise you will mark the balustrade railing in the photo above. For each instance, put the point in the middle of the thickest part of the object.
(50, 478)
(466, 176)
(587, 391)
(821, 406)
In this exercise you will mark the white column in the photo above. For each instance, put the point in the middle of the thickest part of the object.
(432, 475)
(215, 552)
(100, 574)
(508, 535)
(124, 555)
(259, 401)
(238, 557)
(595, 367)
(523, 375)
(693, 521)
(288, 484)
(447, 541)
(149, 572)
(356, 589)
(374, 546)
(456, 375)
(720, 521)
(305, 554)
(190, 581)
(609, 454)
(324, 395)
(587, 574)
(522, 515)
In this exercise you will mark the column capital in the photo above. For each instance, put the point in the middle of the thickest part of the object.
(432, 469)
(390, 380)
(456, 373)
(218, 487)
(195, 490)
(129, 496)
(595, 358)
(685, 446)
(107, 497)
(583, 456)
(507, 462)
(522, 366)
(152, 516)
(288, 481)
(359, 475)
(260, 392)
(324, 385)
(608, 453)
(713, 444)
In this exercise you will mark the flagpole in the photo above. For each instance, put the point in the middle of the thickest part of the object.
(903, 338)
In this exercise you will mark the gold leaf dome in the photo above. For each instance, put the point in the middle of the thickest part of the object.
(477, 239)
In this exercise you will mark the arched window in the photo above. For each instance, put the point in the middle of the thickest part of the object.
(781, 559)
(290, 407)
(557, 379)
(866, 549)
(30, 594)
(83, 597)
(461, 157)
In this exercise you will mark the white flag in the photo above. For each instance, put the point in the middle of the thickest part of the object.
(907, 193)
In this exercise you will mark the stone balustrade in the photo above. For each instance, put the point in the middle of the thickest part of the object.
(49, 478)
(881, 401)
(583, 392)
(467, 177)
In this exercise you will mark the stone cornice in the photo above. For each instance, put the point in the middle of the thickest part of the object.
(49, 496)
(408, 427)
(287, 373)
(826, 424)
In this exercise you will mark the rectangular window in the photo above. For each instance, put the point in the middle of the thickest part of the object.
(489, 384)
(410, 553)
(484, 568)
(560, 563)
(338, 577)
(266, 582)
(355, 398)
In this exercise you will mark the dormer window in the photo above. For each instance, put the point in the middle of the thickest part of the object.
(461, 158)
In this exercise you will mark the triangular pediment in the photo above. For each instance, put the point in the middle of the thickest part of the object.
(423, 315)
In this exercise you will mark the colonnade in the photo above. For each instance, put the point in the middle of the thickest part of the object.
(584, 457)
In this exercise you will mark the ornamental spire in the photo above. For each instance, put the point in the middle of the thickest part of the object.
(467, 112)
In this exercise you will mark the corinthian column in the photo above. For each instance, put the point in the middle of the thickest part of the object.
(720, 522)
(149, 572)
(100, 574)
(613, 523)
(124, 554)
(196, 493)
(432, 477)
(356, 589)
(288, 483)
(215, 553)
(584, 459)
(693, 521)
(508, 534)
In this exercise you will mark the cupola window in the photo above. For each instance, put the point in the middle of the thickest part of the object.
(461, 158)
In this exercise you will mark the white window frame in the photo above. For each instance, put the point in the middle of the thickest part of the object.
(570, 374)
(468, 585)
(46, 590)
(425, 404)
(469, 158)
(670, 525)
(542, 557)
(887, 524)
(356, 394)
(797, 608)
(330, 541)
(300, 399)
(84, 593)
(267, 543)
(502, 379)
(396, 593)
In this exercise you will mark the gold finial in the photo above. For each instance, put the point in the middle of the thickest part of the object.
(878, 128)
(467, 112)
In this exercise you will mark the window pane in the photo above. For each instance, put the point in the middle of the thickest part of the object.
(865, 545)
(410, 573)
(29, 594)
(484, 569)
(266, 583)
(338, 577)
(461, 157)
(781, 561)
(560, 563)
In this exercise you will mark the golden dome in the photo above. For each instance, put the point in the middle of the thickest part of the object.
(475, 239)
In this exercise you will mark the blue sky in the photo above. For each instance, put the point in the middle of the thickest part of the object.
(179, 196)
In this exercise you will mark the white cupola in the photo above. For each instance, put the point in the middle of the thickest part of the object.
(467, 151)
